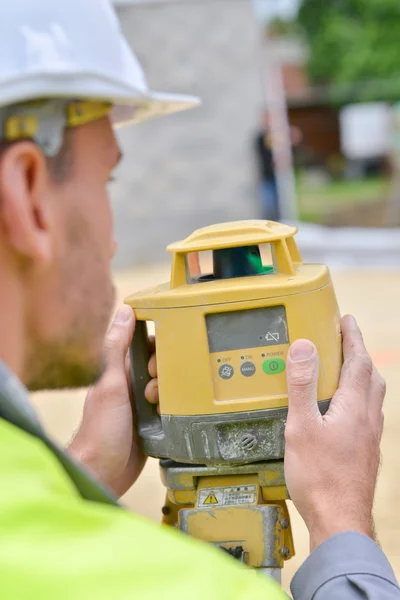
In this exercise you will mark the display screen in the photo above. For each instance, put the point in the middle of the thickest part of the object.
(243, 329)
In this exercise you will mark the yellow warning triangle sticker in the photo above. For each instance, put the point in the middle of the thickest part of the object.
(211, 499)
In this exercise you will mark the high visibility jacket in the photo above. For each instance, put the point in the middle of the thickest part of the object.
(56, 544)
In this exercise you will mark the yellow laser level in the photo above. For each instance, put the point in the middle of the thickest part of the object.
(239, 295)
(223, 330)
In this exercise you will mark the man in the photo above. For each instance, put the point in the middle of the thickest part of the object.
(62, 66)
(266, 171)
(266, 161)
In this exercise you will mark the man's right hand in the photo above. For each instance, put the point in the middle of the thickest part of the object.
(332, 461)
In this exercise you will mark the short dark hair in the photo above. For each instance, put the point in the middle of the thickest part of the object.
(59, 165)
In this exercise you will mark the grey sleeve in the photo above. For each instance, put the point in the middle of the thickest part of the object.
(347, 566)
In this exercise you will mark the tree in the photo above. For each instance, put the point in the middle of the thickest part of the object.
(355, 43)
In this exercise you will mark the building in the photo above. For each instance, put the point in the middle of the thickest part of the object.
(194, 168)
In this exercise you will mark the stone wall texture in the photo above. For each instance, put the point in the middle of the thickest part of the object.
(196, 168)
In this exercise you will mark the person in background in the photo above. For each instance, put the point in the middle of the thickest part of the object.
(266, 161)
(266, 171)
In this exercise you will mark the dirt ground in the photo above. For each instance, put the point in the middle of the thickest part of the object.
(374, 298)
(379, 213)
(370, 214)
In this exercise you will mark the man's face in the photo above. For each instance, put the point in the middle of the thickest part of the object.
(71, 295)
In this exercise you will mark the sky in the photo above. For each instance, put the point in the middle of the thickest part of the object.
(264, 8)
(273, 8)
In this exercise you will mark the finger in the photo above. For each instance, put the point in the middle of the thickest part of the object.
(357, 366)
(127, 364)
(353, 342)
(376, 396)
(151, 391)
(119, 337)
(153, 366)
(128, 376)
(380, 425)
(302, 380)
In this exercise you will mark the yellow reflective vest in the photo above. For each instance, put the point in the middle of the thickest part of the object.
(57, 545)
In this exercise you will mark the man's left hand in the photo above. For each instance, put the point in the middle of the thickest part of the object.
(107, 441)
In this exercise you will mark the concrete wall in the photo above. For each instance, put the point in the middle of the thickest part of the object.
(191, 169)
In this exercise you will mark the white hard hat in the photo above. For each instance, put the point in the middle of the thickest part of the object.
(73, 49)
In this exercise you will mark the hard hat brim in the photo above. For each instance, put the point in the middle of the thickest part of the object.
(130, 105)
(153, 104)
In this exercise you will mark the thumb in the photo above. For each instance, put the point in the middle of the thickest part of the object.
(302, 380)
(119, 337)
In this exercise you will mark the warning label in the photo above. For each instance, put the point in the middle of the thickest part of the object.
(211, 499)
(227, 496)
(245, 494)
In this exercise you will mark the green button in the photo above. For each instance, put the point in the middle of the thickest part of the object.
(273, 366)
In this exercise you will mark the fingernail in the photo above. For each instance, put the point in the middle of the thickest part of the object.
(123, 315)
(301, 350)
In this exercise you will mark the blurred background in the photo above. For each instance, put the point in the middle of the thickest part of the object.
(299, 122)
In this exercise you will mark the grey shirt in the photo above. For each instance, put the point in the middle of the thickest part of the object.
(348, 566)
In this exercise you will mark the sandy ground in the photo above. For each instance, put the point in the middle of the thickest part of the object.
(374, 297)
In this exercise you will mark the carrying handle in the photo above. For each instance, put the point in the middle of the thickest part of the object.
(148, 421)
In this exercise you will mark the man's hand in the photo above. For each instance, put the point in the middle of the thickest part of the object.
(332, 461)
(107, 441)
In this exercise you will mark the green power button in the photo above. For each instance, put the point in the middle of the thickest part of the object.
(273, 366)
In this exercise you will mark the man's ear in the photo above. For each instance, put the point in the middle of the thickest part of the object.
(24, 211)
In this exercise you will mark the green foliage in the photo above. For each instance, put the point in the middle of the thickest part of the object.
(352, 41)
(283, 27)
